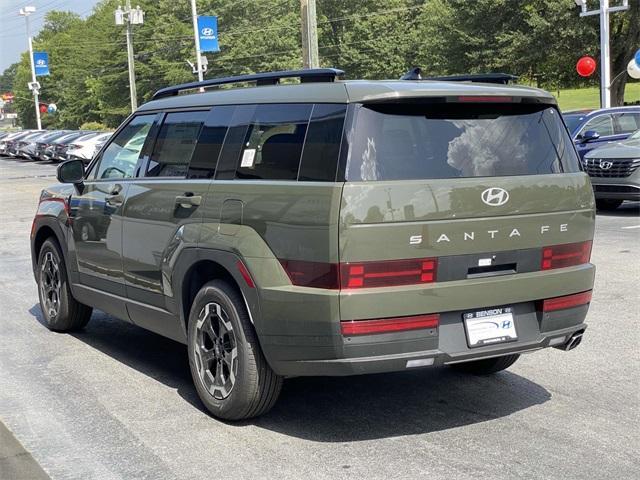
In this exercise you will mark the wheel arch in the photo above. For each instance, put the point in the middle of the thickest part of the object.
(199, 266)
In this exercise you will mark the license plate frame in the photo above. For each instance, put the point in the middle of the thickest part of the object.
(492, 326)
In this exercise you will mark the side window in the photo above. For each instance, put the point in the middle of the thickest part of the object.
(273, 142)
(627, 122)
(322, 145)
(175, 144)
(121, 156)
(205, 157)
(603, 124)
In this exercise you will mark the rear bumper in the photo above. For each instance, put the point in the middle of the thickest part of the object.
(445, 345)
(427, 358)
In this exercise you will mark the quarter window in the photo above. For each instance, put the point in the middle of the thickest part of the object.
(322, 145)
(273, 142)
(627, 122)
(121, 156)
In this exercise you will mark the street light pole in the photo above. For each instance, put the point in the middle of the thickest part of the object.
(310, 57)
(130, 16)
(25, 12)
(196, 37)
(605, 59)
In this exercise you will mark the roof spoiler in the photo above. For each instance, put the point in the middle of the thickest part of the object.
(268, 78)
(501, 78)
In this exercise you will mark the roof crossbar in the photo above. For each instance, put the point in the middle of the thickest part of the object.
(268, 78)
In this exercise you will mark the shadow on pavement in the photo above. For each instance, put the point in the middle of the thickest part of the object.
(333, 409)
(627, 209)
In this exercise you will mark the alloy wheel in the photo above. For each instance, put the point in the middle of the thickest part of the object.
(50, 284)
(216, 351)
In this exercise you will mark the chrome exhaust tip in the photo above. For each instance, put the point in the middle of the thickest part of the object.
(573, 341)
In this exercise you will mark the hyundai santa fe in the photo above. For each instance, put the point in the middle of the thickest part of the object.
(328, 227)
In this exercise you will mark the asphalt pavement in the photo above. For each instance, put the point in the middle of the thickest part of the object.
(117, 402)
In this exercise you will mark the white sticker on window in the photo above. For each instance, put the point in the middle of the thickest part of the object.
(247, 157)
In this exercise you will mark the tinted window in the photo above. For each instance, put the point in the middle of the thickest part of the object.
(573, 121)
(175, 144)
(273, 142)
(120, 157)
(322, 145)
(205, 157)
(403, 142)
(627, 122)
(602, 124)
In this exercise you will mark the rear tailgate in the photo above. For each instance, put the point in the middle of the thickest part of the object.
(485, 255)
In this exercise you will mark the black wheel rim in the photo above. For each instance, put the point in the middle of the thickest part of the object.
(216, 351)
(50, 284)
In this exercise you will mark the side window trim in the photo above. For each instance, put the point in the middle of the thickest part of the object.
(98, 158)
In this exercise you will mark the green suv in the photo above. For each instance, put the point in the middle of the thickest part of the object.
(326, 227)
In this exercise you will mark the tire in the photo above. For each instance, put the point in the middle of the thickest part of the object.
(487, 366)
(607, 204)
(231, 375)
(61, 312)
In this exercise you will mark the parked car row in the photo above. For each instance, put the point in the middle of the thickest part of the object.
(609, 150)
(53, 145)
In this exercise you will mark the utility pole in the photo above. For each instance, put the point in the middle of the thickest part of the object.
(130, 16)
(605, 59)
(34, 86)
(310, 57)
(196, 37)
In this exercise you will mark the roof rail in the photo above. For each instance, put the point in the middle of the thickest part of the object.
(503, 78)
(266, 78)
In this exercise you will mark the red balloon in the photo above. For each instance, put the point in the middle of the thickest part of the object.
(43, 108)
(586, 66)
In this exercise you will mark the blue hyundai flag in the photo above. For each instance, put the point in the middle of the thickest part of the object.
(208, 30)
(41, 61)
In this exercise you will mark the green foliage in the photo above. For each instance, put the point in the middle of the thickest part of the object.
(95, 126)
(540, 40)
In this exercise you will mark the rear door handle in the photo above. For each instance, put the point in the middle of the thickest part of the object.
(188, 200)
(114, 200)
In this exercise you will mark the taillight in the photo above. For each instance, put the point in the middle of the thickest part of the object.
(567, 301)
(312, 274)
(388, 273)
(386, 325)
(566, 255)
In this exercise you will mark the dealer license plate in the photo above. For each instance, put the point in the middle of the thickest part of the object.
(488, 327)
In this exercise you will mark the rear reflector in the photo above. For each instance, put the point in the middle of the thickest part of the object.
(568, 301)
(244, 271)
(388, 273)
(567, 255)
(386, 325)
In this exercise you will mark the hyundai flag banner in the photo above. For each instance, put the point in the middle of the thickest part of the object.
(208, 30)
(41, 61)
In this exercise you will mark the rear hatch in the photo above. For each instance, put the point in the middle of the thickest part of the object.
(454, 206)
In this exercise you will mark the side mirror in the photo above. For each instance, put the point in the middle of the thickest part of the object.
(71, 171)
(589, 135)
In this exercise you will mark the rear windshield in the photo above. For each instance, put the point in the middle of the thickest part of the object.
(413, 141)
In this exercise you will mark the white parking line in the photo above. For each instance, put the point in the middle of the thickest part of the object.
(630, 227)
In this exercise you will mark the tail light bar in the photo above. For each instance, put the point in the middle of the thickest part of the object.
(388, 273)
(567, 301)
(386, 325)
(566, 255)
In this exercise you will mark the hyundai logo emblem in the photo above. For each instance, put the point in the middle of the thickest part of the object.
(207, 32)
(605, 164)
(495, 196)
(40, 62)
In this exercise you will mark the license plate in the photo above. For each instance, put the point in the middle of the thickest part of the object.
(488, 327)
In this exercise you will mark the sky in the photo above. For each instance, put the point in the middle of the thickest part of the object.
(13, 35)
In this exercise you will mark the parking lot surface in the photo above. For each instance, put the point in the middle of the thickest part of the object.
(117, 402)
